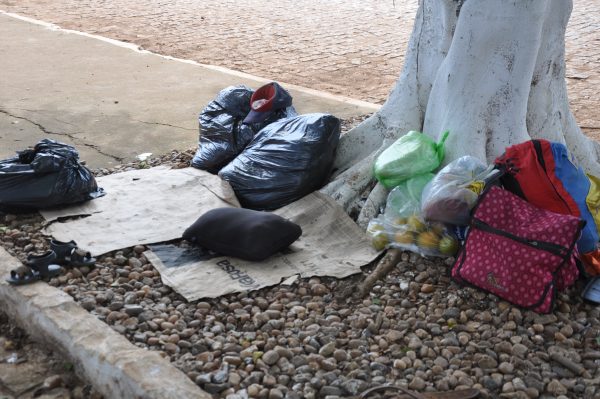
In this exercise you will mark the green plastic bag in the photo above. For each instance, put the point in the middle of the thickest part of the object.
(405, 200)
(412, 154)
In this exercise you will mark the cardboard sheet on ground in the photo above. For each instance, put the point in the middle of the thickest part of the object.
(141, 207)
(331, 245)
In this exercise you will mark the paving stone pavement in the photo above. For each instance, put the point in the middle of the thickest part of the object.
(349, 47)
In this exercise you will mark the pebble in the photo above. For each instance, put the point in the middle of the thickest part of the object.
(340, 355)
(254, 390)
(353, 386)
(414, 343)
(220, 376)
(487, 362)
(215, 388)
(114, 316)
(400, 364)
(133, 310)
(441, 362)
(234, 379)
(519, 350)
(490, 383)
(138, 249)
(166, 325)
(555, 388)
(417, 383)
(171, 348)
(270, 357)
(506, 368)
(394, 336)
(427, 288)
(233, 360)
(329, 391)
(88, 303)
(319, 290)
(508, 387)
(327, 350)
(452, 313)
(116, 305)
(269, 381)
(519, 384)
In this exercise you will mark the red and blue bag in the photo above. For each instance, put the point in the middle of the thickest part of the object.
(518, 251)
(541, 172)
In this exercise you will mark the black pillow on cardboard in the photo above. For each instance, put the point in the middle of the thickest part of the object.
(242, 233)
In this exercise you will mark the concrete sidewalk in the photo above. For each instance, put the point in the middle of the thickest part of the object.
(110, 100)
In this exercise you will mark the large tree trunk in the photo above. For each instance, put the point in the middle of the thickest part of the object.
(492, 72)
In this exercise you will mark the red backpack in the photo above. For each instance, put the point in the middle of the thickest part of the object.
(541, 173)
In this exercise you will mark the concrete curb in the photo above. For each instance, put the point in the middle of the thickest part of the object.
(113, 365)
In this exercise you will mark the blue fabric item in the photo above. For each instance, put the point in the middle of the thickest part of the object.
(577, 185)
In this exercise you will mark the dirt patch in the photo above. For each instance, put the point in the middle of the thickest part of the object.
(29, 370)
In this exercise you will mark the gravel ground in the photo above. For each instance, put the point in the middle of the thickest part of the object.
(417, 328)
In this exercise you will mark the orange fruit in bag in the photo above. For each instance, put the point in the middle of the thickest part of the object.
(404, 237)
(428, 240)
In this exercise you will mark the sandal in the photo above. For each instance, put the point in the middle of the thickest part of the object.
(69, 254)
(408, 394)
(62, 250)
(41, 262)
(36, 267)
(79, 257)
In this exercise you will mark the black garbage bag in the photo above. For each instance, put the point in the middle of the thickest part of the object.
(285, 161)
(45, 176)
(222, 134)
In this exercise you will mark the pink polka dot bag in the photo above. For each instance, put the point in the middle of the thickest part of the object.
(519, 252)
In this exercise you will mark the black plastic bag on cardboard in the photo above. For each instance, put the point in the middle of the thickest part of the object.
(222, 134)
(47, 175)
(285, 161)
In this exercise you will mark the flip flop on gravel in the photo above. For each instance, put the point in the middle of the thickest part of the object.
(62, 250)
(36, 267)
(79, 257)
(408, 394)
(70, 255)
(22, 275)
(26, 275)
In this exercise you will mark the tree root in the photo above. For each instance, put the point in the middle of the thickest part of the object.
(372, 207)
(383, 268)
(578, 369)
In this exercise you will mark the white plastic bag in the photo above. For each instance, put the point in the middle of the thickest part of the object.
(453, 192)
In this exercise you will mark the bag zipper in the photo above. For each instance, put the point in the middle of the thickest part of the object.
(543, 245)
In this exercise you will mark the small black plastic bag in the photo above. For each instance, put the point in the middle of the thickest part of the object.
(46, 176)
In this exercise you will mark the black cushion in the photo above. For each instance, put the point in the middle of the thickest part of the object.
(242, 233)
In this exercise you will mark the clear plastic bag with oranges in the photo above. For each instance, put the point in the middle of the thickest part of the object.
(401, 225)
(412, 233)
